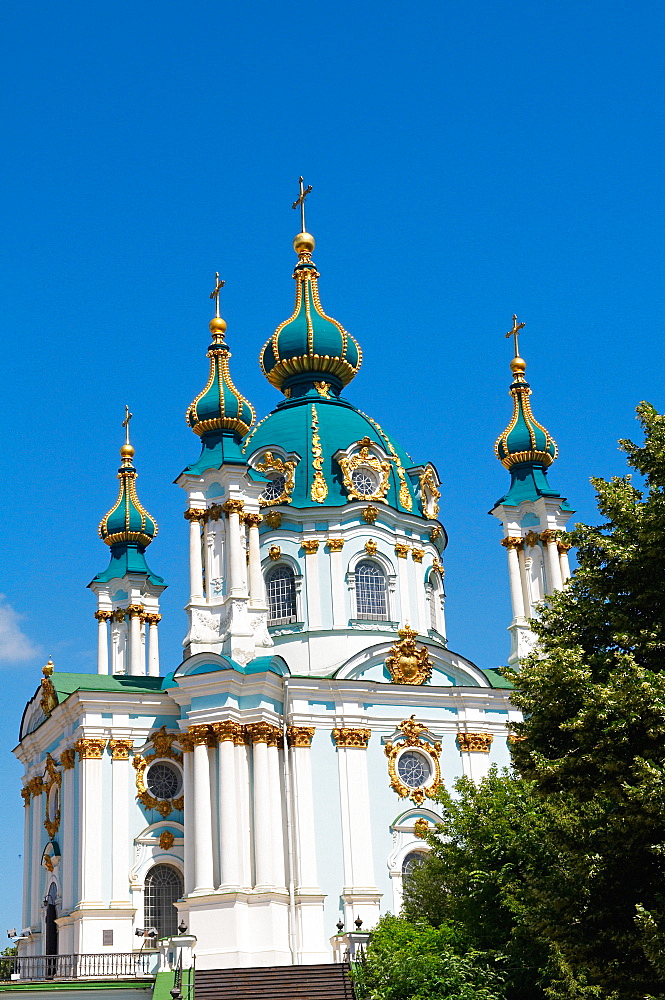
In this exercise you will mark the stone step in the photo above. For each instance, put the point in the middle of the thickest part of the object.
(280, 982)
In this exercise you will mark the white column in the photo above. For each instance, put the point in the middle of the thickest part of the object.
(257, 597)
(118, 644)
(90, 819)
(260, 733)
(421, 595)
(339, 614)
(512, 545)
(404, 610)
(189, 819)
(311, 547)
(553, 564)
(194, 517)
(151, 621)
(67, 832)
(300, 741)
(475, 751)
(120, 859)
(360, 894)
(136, 648)
(203, 860)
(563, 562)
(227, 734)
(525, 580)
(235, 570)
(277, 810)
(35, 861)
(102, 641)
(243, 809)
(27, 872)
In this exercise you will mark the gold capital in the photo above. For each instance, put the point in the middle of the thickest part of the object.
(194, 514)
(417, 555)
(310, 545)
(299, 736)
(402, 550)
(253, 520)
(233, 506)
(151, 619)
(68, 758)
(103, 616)
(335, 544)
(90, 749)
(25, 794)
(549, 535)
(121, 749)
(202, 735)
(512, 542)
(347, 739)
(228, 732)
(135, 610)
(119, 615)
(474, 742)
(264, 732)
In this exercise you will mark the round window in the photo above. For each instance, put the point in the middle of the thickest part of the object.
(274, 489)
(364, 482)
(414, 769)
(163, 780)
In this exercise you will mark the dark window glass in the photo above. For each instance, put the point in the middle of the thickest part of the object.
(163, 886)
(371, 597)
(281, 592)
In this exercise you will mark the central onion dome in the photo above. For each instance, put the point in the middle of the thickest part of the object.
(309, 345)
(524, 439)
(220, 407)
(128, 522)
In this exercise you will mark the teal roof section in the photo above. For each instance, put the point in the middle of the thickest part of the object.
(219, 406)
(309, 422)
(218, 448)
(128, 560)
(309, 345)
(528, 482)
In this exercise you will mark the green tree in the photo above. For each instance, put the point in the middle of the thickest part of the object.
(593, 739)
(407, 961)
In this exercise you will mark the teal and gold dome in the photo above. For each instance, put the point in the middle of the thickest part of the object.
(220, 407)
(309, 345)
(128, 522)
(524, 439)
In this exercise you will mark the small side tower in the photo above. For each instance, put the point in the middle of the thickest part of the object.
(531, 513)
(127, 591)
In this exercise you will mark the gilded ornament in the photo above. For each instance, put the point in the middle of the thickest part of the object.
(310, 545)
(52, 778)
(273, 519)
(347, 739)
(119, 615)
(531, 538)
(437, 566)
(25, 794)
(166, 840)
(48, 863)
(49, 698)
(512, 542)
(214, 512)
(162, 742)
(435, 533)
(135, 610)
(274, 552)
(417, 555)
(299, 736)
(90, 749)
(150, 618)
(429, 494)
(228, 732)
(335, 544)
(549, 535)
(103, 616)
(563, 547)
(36, 786)
(194, 514)
(272, 463)
(253, 520)
(319, 490)
(264, 732)
(68, 758)
(202, 735)
(421, 828)
(474, 742)
(514, 738)
(370, 514)
(323, 389)
(371, 547)
(401, 550)
(120, 749)
(404, 492)
(413, 734)
(362, 459)
(185, 743)
(233, 507)
(408, 664)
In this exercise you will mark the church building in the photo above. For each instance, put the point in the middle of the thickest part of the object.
(278, 781)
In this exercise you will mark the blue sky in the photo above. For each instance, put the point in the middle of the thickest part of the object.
(469, 160)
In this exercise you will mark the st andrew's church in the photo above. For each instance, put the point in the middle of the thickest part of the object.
(277, 783)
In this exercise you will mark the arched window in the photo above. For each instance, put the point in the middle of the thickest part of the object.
(163, 886)
(411, 861)
(281, 591)
(371, 595)
(435, 591)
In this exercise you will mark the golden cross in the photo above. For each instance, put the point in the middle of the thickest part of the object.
(300, 200)
(513, 333)
(215, 293)
(125, 423)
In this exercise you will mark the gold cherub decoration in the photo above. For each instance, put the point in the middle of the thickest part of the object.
(407, 663)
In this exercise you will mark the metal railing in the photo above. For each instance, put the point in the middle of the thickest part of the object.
(119, 964)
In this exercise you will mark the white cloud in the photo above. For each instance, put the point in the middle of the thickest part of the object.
(14, 643)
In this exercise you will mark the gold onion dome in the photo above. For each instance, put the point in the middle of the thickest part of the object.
(524, 439)
(309, 344)
(220, 407)
(128, 522)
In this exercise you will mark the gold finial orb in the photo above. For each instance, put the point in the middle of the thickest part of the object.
(518, 366)
(126, 452)
(47, 670)
(217, 325)
(304, 243)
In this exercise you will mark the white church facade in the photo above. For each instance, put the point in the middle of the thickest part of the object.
(278, 780)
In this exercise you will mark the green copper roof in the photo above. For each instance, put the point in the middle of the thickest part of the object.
(309, 345)
(220, 407)
(125, 560)
(315, 428)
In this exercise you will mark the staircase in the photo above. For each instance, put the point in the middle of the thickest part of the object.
(281, 982)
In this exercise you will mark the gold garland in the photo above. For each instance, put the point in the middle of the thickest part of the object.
(319, 490)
